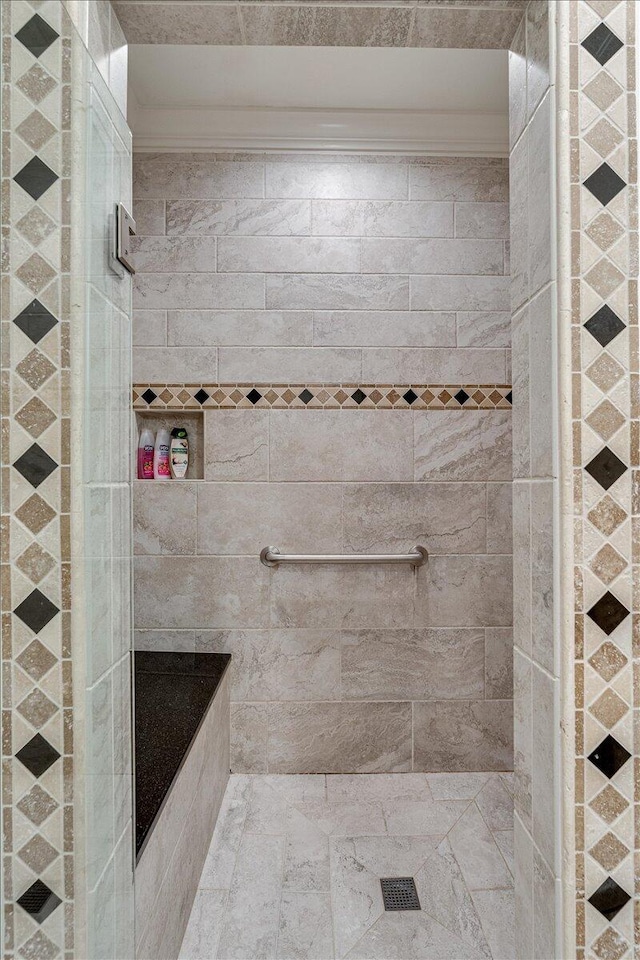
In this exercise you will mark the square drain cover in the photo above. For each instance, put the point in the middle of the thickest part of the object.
(399, 893)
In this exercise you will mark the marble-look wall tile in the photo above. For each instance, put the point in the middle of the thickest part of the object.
(183, 23)
(338, 181)
(460, 293)
(341, 445)
(540, 194)
(350, 597)
(239, 328)
(246, 218)
(537, 33)
(347, 26)
(199, 290)
(168, 364)
(164, 518)
(236, 445)
(380, 328)
(174, 254)
(519, 219)
(414, 664)
(459, 180)
(499, 663)
(453, 27)
(432, 365)
(278, 665)
(242, 518)
(249, 732)
(457, 591)
(214, 592)
(282, 364)
(499, 517)
(192, 177)
(435, 257)
(382, 218)
(150, 218)
(394, 517)
(467, 445)
(291, 254)
(518, 82)
(149, 328)
(484, 329)
(482, 220)
(544, 801)
(339, 737)
(463, 735)
(336, 292)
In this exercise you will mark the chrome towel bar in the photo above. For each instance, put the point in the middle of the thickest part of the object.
(271, 557)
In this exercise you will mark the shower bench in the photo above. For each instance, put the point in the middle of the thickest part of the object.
(181, 772)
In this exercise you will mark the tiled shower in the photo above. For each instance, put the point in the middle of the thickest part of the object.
(373, 350)
(365, 274)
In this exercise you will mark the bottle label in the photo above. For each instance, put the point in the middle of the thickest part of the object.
(146, 462)
(163, 460)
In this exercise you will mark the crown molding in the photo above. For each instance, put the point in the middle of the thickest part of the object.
(433, 133)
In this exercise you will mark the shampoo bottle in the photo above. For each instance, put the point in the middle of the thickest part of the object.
(145, 455)
(179, 453)
(161, 456)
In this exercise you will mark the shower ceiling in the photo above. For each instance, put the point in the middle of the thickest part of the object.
(229, 97)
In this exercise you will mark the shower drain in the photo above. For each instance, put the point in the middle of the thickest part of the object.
(399, 893)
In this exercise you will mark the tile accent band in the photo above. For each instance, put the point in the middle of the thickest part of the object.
(195, 396)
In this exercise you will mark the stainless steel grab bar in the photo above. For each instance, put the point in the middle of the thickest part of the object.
(271, 557)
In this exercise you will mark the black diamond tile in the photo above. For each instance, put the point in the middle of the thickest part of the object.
(609, 757)
(509, 397)
(35, 321)
(606, 468)
(35, 465)
(461, 396)
(358, 395)
(604, 183)
(609, 898)
(306, 396)
(608, 613)
(604, 326)
(410, 396)
(149, 395)
(37, 35)
(37, 755)
(254, 396)
(39, 901)
(35, 177)
(201, 396)
(602, 43)
(36, 611)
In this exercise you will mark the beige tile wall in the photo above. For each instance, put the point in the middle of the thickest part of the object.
(535, 488)
(274, 268)
(277, 269)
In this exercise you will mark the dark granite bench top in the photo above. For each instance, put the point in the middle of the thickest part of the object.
(172, 694)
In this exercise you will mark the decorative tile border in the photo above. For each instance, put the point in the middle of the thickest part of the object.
(606, 476)
(37, 719)
(210, 396)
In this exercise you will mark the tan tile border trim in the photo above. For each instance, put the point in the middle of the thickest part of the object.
(211, 396)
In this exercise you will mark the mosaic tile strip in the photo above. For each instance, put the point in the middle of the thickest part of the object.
(37, 730)
(208, 396)
(605, 415)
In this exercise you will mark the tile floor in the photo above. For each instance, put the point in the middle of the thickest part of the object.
(294, 868)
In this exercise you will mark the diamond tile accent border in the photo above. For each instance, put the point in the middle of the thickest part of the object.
(192, 396)
(606, 406)
(36, 649)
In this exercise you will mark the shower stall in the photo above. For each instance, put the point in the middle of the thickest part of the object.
(361, 684)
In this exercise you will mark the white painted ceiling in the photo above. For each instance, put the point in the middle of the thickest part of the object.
(360, 78)
(327, 98)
